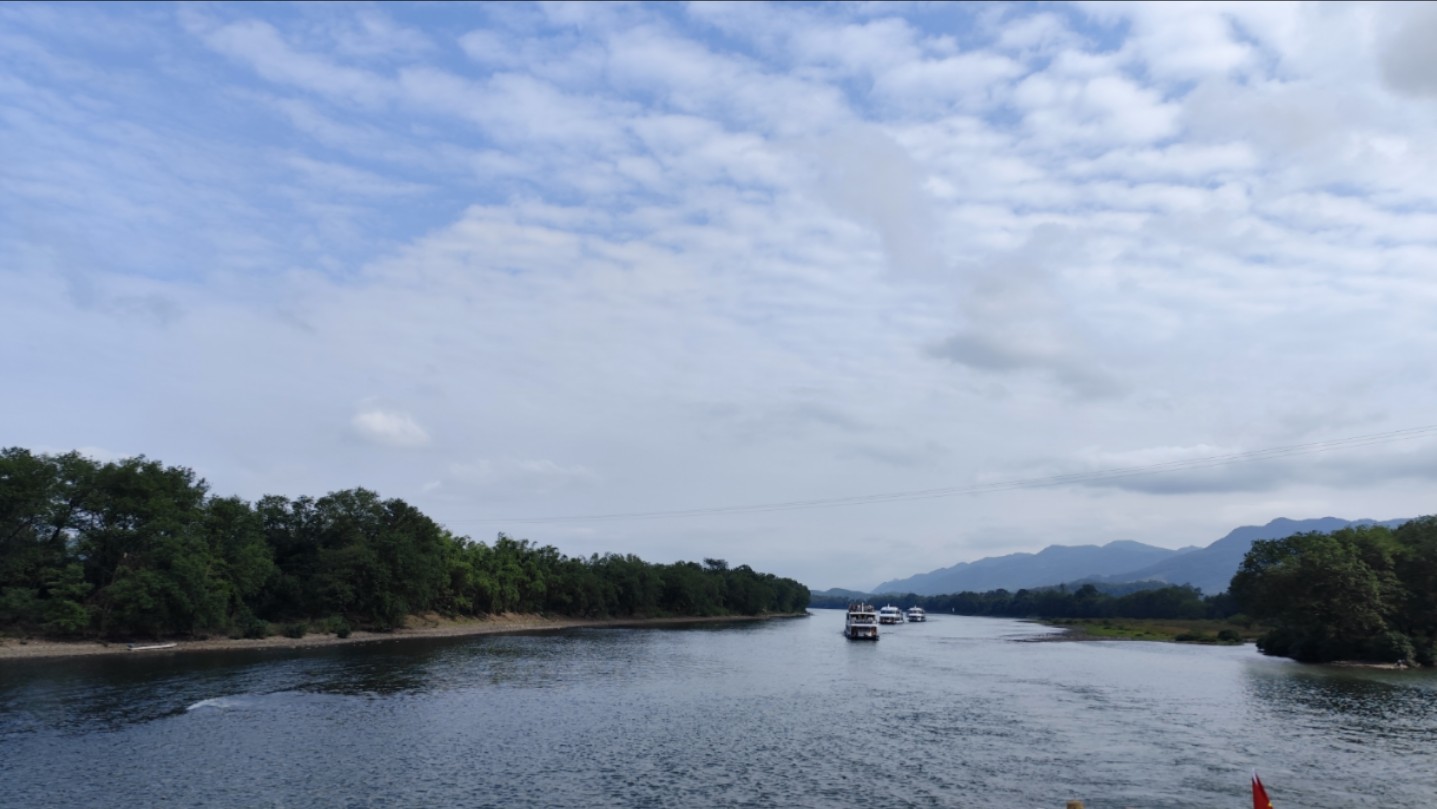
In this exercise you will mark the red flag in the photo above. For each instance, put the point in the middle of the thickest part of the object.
(1259, 795)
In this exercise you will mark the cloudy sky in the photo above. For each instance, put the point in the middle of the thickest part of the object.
(530, 267)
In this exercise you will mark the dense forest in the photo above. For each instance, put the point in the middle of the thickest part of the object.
(135, 548)
(1366, 593)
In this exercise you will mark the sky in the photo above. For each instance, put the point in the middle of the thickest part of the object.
(561, 271)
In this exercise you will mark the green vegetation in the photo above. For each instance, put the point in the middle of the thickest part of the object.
(1365, 594)
(1208, 631)
(1059, 603)
(135, 548)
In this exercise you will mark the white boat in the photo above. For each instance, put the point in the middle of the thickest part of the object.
(890, 615)
(151, 647)
(916, 615)
(861, 623)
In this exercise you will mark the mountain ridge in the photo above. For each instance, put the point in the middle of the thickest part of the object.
(1208, 568)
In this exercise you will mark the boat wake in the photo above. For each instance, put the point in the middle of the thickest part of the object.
(274, 700)
(224, 703)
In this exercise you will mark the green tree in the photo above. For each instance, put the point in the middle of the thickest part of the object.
(244, 562)
(42, 499)
(1415, 564)
(134, 547)
(142, 543)
(1320, 595)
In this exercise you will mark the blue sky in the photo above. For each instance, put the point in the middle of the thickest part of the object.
(516, 261)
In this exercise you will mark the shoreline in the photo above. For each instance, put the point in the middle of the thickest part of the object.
(417, 627)
(1077, 634)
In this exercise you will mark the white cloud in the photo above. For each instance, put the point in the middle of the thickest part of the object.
(500, 479)
(1408, 63)
(868, 176)
(389, 428)
(636, 258)
(346, 180)
(1061, 105)
(264, 49)
(372, 34)
(1182, 40)
(1041, 33)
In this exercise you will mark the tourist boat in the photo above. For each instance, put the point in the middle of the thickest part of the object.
(890, 615)
(916, 615)
(862, 622)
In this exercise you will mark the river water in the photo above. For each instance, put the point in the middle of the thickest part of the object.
(956, 712)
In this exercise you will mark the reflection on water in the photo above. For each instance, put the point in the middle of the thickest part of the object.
(953, 712)
(1351, 706)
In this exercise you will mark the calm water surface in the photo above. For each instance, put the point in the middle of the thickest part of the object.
(957, 712)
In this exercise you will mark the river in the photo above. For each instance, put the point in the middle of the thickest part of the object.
(956, 712)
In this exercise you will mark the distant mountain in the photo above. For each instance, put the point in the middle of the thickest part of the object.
(1209, 569)
(1054, 564)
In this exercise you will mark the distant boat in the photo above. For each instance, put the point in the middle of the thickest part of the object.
(916, 615)
(890, 615)
(152, 647)
(861, 623)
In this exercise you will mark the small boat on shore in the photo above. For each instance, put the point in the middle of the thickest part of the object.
(151, 647)
(890, 614)
(861, 623)
(916, 615)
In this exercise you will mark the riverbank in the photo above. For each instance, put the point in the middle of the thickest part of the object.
(1201, 631)
(419, 626)
(1153, 629)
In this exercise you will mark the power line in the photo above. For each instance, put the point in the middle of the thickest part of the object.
(999, 486)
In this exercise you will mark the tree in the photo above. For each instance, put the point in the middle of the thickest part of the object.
(142, 544)
(244, 561)
(134, 547)
(1415, 564)
(41, 498)
(1323, 599)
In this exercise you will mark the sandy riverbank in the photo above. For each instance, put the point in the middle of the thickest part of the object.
(425, 626)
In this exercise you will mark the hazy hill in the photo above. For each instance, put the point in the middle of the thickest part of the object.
(1052, 565)
(1209, 568)
(840, 593)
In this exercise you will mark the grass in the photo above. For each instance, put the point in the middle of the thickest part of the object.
(1171, 630)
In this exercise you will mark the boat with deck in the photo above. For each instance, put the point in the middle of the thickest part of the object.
(861, 623)
(890, 614)
(916, 615)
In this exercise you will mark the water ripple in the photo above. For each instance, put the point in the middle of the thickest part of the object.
(951, 713)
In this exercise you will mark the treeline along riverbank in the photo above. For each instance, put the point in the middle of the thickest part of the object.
(1087, 601)
(135, 548)
(1366, 593)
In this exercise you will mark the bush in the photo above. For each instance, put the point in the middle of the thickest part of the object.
(65, 617)
(254, 629)
(1279, 642)
(1229, 636)
(339, 627)
(1390, 647)
(19, 605)
(294, 630)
